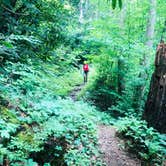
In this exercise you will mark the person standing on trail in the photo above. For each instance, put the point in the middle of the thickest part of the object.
(86, 70)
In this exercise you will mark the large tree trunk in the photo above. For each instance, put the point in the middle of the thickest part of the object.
(155, 108)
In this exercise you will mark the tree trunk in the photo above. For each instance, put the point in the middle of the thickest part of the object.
(121, 74)
(81, 16)
(121, 60)
(155, 108)
(150, 30)
(6, 161)
(151, 23)
(123, 17)
(140, 89)
(86, 7)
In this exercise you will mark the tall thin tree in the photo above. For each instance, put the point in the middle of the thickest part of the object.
(81, 15)
(149, 36)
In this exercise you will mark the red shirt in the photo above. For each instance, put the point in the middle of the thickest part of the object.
(86, 67)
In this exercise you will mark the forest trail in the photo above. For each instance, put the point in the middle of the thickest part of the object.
(74, 93)
(109, 143)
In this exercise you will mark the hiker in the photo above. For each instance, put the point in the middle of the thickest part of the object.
(86, 70)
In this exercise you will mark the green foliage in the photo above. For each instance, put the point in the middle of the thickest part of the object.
(114, 2)
(105, 79)
(117, 87)
(145, 142)
(37, 118)
(33, 29)
(41, 45)
(73, 122)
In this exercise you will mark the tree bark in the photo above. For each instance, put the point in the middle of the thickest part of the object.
(155, 108)
(6, 161)
(151, 24)
(121, 75)
(150, 30)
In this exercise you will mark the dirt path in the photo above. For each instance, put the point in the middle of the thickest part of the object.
(76, 91)
(112, 154)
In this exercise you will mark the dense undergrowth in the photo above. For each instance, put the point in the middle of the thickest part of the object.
(140, 139)
(143, 141)
(37, 125)
(147, 143)
(42, 44)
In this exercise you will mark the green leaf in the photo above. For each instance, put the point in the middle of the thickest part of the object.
(7, 44)
(30, 162)
(5, 134)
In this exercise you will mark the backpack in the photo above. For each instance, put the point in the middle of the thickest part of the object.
(86, 67)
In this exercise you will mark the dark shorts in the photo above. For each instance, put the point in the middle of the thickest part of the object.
(86, 72)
